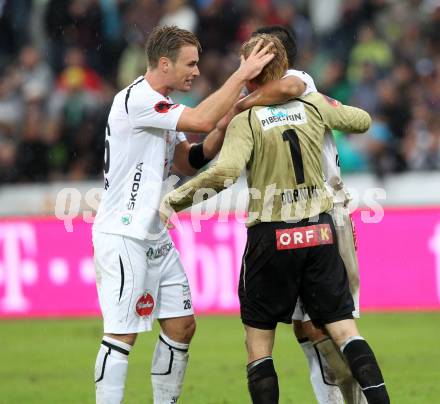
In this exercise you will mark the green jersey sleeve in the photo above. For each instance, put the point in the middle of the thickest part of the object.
(342, 117)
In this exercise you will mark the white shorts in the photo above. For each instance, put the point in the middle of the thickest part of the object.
(138, 281)
(347, 249)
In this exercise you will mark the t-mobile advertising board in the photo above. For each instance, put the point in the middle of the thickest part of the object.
(48, 271)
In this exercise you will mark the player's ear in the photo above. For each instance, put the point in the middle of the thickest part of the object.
(164, 64)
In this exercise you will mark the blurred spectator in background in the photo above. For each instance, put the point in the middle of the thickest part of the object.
(75, 60)
(133, 60)
(71, 114)
(379, 146)
(75, 23)
(8, 154)
(219, 22)
(140, 16)
(178, 12)
(62, 61)
(365, 94)
(11, 104)
(325, 16)
(288, 15)
(14, 20)
(369, 49)
(421, 146)
(35, 74)
(335, 84)
(32, 150)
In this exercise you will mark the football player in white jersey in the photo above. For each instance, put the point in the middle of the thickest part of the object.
(138, 271)
(328, 371)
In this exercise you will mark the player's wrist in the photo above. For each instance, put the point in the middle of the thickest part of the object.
(240, 76)
(196, 156)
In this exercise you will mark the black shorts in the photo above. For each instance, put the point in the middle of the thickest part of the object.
(285, 260)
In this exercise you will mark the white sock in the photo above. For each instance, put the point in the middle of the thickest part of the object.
(111, 371)
(321, 377)
(168, 369)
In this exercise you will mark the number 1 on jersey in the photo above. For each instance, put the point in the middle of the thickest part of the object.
(291, 136)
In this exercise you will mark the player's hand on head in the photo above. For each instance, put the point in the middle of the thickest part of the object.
(258, 58)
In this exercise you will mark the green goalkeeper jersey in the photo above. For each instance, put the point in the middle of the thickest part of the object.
(281, 148)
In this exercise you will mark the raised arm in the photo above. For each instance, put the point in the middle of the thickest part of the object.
(204, 117)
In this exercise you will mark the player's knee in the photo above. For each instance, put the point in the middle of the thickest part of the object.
(185, 332)
(252, 349)
(129, 339)
(342, 331)
(190, 330)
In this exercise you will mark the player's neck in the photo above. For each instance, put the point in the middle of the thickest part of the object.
(157, 82)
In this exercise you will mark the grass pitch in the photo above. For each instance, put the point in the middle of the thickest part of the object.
(51, 361)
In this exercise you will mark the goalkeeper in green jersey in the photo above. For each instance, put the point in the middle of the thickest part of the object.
(330, 376)
(292, 248)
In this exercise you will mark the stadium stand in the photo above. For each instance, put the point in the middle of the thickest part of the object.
(62, 61)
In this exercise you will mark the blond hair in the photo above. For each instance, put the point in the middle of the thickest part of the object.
(166, 41)
(277, 67)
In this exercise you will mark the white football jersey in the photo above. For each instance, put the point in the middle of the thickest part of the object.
(139, 147)
(305, 78)
(330, 157)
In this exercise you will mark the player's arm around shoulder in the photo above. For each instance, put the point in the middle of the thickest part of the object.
(339, 116)
(192, 120)
(273, 92)
(208, 149)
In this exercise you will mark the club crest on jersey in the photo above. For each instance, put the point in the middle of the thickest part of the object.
(126, 219)
(287, 114)
(332, 101)
(145, 305)
(163, 107)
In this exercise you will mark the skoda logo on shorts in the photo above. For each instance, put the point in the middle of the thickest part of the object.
(126, 219)
(145, 305)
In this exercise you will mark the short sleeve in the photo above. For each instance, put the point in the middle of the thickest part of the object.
(305, 78)
(149, 109)
(180, 137)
